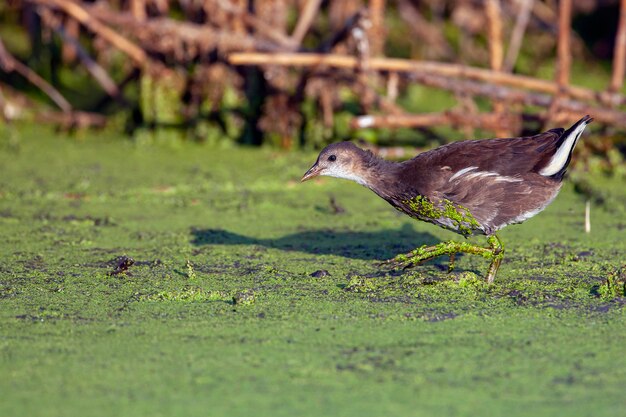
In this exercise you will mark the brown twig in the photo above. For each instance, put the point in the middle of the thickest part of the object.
(304, 22)
(430, 33)
(72, 28)
(496, 53)
(564, 57)
(79, 13)
(340, 35)
(489, 121)
(259, 25)
(544, 12)
(138, 9)
(8, 63)
(517, 36)
(570, 110)
(494, 31)
(619, 53)
(564, 54)
(376, 31)
(362, 42)
(182, 41)
(18, 106)
(382, 102)
(415, 67)
(74, 120)
(393, 81)
(96, 71)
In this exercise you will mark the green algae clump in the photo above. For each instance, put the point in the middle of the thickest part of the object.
(462, 219)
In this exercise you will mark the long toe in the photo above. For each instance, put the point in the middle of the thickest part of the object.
(403, 261)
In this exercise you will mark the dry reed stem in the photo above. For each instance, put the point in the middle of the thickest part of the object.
(68, 51)
(494, 33)
(95, 69)
(79, 13)
(138, 9)
(489, 121)
(564, 53)
(570, 110)
(305, 21)
(259, 25)
(496, 53)
(376, 13)
(416, 67)
(619, 54)
(431, 34)
(517, 36)
(564, 58)
(9, 63)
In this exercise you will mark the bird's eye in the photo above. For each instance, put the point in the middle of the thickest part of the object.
(332, 158)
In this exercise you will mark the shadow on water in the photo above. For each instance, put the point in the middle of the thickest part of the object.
(357, 245)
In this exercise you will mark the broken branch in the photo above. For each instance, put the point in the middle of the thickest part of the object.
(416, 67)
(9, 63)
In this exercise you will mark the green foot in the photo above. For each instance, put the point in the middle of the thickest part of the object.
(495, 252)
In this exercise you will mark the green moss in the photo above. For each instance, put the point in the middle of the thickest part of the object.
(615, 284)
(167, 339)
(454, 217)
(244, 298)
(187, 294)
(360, 284)
(462, 219)
(471, 280)
(191, 273)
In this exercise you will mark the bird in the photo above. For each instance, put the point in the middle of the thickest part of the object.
(471, 187)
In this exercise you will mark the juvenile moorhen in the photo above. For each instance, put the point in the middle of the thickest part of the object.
(469, 187)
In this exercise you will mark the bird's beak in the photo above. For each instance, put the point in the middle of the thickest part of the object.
(313, 172)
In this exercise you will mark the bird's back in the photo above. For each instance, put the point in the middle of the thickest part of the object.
(498, 181)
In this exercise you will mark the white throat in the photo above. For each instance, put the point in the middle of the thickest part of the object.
(339, 172)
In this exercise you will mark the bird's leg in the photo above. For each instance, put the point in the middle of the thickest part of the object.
(451, 262)
(425, 253)
(495, 252)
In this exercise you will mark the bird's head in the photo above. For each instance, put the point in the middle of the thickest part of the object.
(341, 160)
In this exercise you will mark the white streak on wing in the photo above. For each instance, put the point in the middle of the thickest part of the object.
(468, 175)
(504, 178)
(481, 174)
(461, 172)
(559, 159)
(496, 177)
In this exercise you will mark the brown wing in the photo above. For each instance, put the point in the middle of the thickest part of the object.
(497, 180)
(497, 201)
(507, 156)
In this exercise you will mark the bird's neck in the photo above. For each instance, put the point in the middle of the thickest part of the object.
(381, 176)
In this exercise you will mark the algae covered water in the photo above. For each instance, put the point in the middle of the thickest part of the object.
(188, 280)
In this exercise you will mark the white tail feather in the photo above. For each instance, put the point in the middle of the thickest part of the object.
(558, 161)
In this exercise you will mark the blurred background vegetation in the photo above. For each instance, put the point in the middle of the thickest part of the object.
(230, 71)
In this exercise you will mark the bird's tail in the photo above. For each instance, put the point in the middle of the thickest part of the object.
(557, 165)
